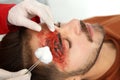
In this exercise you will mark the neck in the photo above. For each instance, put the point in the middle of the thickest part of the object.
(103, 63)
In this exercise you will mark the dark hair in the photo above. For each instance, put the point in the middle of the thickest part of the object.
(11, 51)
(16, 54)
(14, 49)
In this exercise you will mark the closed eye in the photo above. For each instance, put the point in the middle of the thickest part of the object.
(69, 42)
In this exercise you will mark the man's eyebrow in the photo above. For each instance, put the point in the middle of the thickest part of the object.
(60, 40)
(58, 24)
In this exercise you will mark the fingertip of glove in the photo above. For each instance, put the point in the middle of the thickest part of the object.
(37, 28)
(52, 28)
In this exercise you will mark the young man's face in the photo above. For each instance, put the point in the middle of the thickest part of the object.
(81, 43)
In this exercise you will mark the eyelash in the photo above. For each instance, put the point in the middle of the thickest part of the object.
(69, 42)
(59, 24)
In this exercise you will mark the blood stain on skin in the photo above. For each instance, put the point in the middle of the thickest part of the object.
(52, 39)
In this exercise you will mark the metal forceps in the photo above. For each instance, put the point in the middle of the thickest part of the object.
(33, 66)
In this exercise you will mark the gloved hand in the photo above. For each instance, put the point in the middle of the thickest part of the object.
(20, 75)
(21, 14)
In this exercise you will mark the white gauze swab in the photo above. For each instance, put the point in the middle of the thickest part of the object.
(44, 54)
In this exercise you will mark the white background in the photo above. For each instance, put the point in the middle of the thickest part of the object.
(65, 10)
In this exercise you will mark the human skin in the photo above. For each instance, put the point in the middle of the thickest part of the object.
(81, 46)
(78, 55)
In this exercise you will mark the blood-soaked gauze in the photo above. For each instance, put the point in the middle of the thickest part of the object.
(53, 40)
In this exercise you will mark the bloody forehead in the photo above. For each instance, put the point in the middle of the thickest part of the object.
(54, 41)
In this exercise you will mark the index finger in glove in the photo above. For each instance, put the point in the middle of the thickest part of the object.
(45, 14)
(30, 24)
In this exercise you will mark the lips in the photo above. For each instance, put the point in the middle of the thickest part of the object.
(90, 29)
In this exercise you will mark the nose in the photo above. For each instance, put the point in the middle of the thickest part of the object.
(72, 27)
(74, 23)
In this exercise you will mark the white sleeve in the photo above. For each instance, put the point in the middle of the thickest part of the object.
(1, 36)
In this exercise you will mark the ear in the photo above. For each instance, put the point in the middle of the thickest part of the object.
(74, 78)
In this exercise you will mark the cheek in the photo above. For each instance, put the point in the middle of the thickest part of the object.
(77, 59)
(79, 53)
